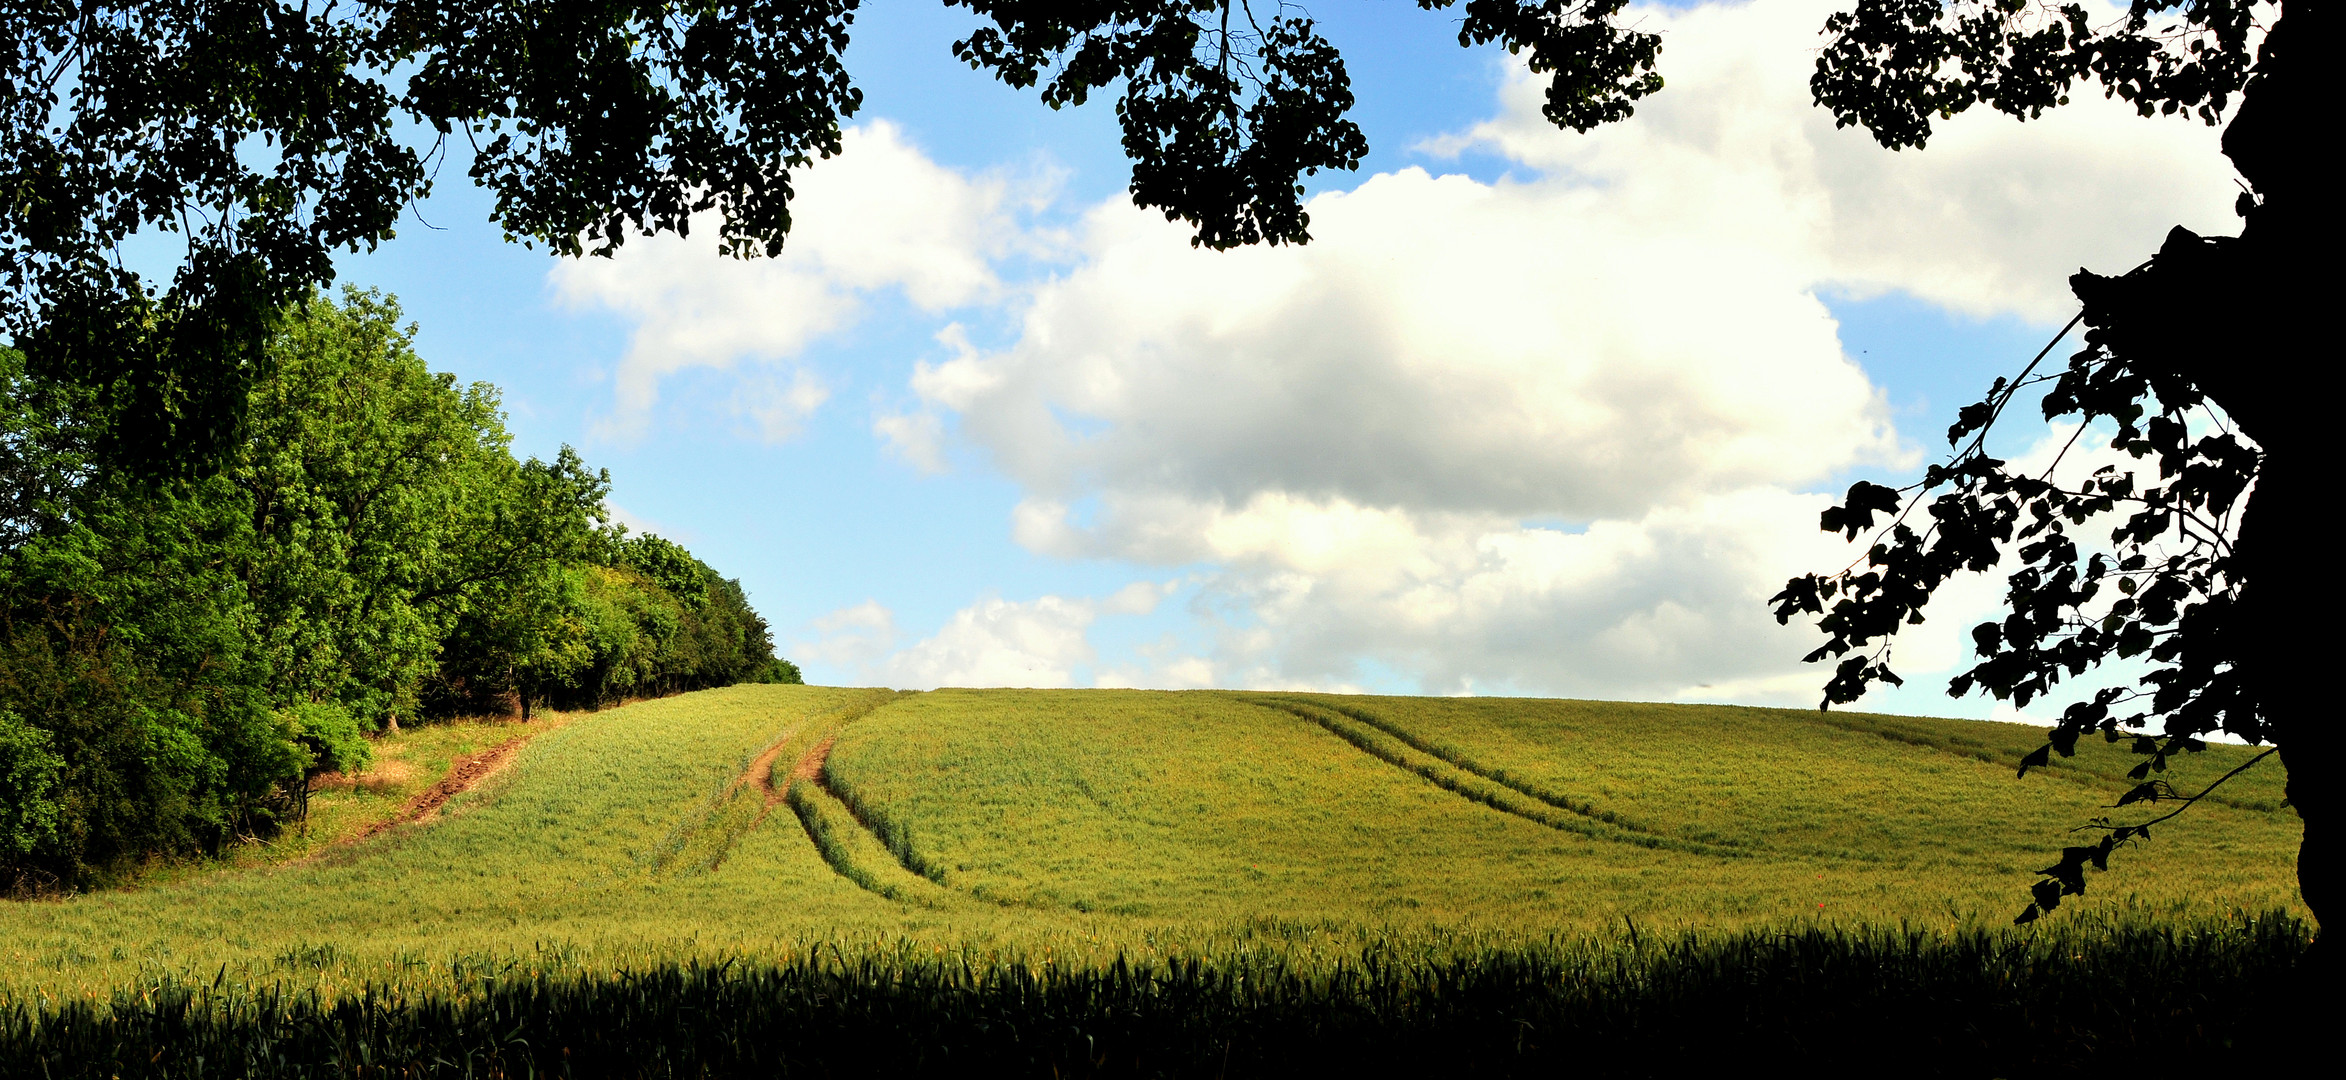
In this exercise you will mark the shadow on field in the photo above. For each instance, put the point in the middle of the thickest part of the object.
(2086, 999)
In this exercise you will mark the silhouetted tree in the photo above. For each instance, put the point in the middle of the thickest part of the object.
(2189, 358)
(261, 135)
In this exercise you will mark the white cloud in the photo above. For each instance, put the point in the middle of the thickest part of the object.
(1992, 217)
(1440, 345)
(1546, 435)
(879, 216)
(850, 638)
(997, 642)
(778, 408)
(916, 437)
(1650, 606)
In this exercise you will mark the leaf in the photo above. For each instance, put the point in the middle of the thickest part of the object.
(1856, 513)
(2041, 757)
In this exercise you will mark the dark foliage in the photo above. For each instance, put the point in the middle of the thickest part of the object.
(2209, 535)
(264, 135)
(1820, 1002)
(1896, 65)
(1224, 112)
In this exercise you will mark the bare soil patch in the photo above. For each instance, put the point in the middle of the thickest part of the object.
(810, 767)
(463, 774)
(761, 772)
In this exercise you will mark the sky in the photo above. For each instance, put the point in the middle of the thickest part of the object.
(1535, 413)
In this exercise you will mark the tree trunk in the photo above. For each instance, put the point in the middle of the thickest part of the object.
(2264, 356)
(2242, 319)
(2280, 654)
(2281, 390)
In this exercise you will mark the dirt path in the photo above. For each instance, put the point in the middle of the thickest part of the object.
(808, 767)
(811, 766)
(761, 771)
(463, 774)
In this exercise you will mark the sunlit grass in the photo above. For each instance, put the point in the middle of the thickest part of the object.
(1035, 828)
(343, 807)
(1214, 805)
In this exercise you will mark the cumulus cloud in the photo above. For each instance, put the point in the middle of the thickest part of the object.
(1440, 345)
(993, 642)
(780, 408)
(1649, 606)
(997, 642)
(851, 638)
(878, 216)
(1992, 217)
(1550, 434)
(916, 438)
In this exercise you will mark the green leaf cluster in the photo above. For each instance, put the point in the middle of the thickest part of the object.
(180, 657)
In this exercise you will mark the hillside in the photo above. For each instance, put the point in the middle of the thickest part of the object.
(761, 819)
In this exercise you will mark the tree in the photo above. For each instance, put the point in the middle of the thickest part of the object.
(2179, 357)
(179, 658)
(262, 135)
(136, 715)
(364, 474)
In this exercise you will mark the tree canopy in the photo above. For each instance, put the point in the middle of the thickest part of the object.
(179, 658)
(262, 136)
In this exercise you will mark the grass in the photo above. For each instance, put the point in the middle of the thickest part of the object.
(1507, 812)
(784, 836)
(1824, 1002)
(344, 807)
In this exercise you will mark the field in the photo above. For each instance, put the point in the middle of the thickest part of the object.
(981, 836)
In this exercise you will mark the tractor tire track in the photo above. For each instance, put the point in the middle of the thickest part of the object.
(1409, 754)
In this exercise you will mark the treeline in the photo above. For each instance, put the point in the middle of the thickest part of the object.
(179, 657)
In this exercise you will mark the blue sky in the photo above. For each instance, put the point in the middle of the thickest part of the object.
(1538, 413)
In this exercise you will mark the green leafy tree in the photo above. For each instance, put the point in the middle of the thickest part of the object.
(646, 618)
(179, 657)
(510, 600)
(362, 474)
(29, 772)
(124, 644)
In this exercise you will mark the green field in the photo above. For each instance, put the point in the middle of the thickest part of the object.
(1073, 827)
